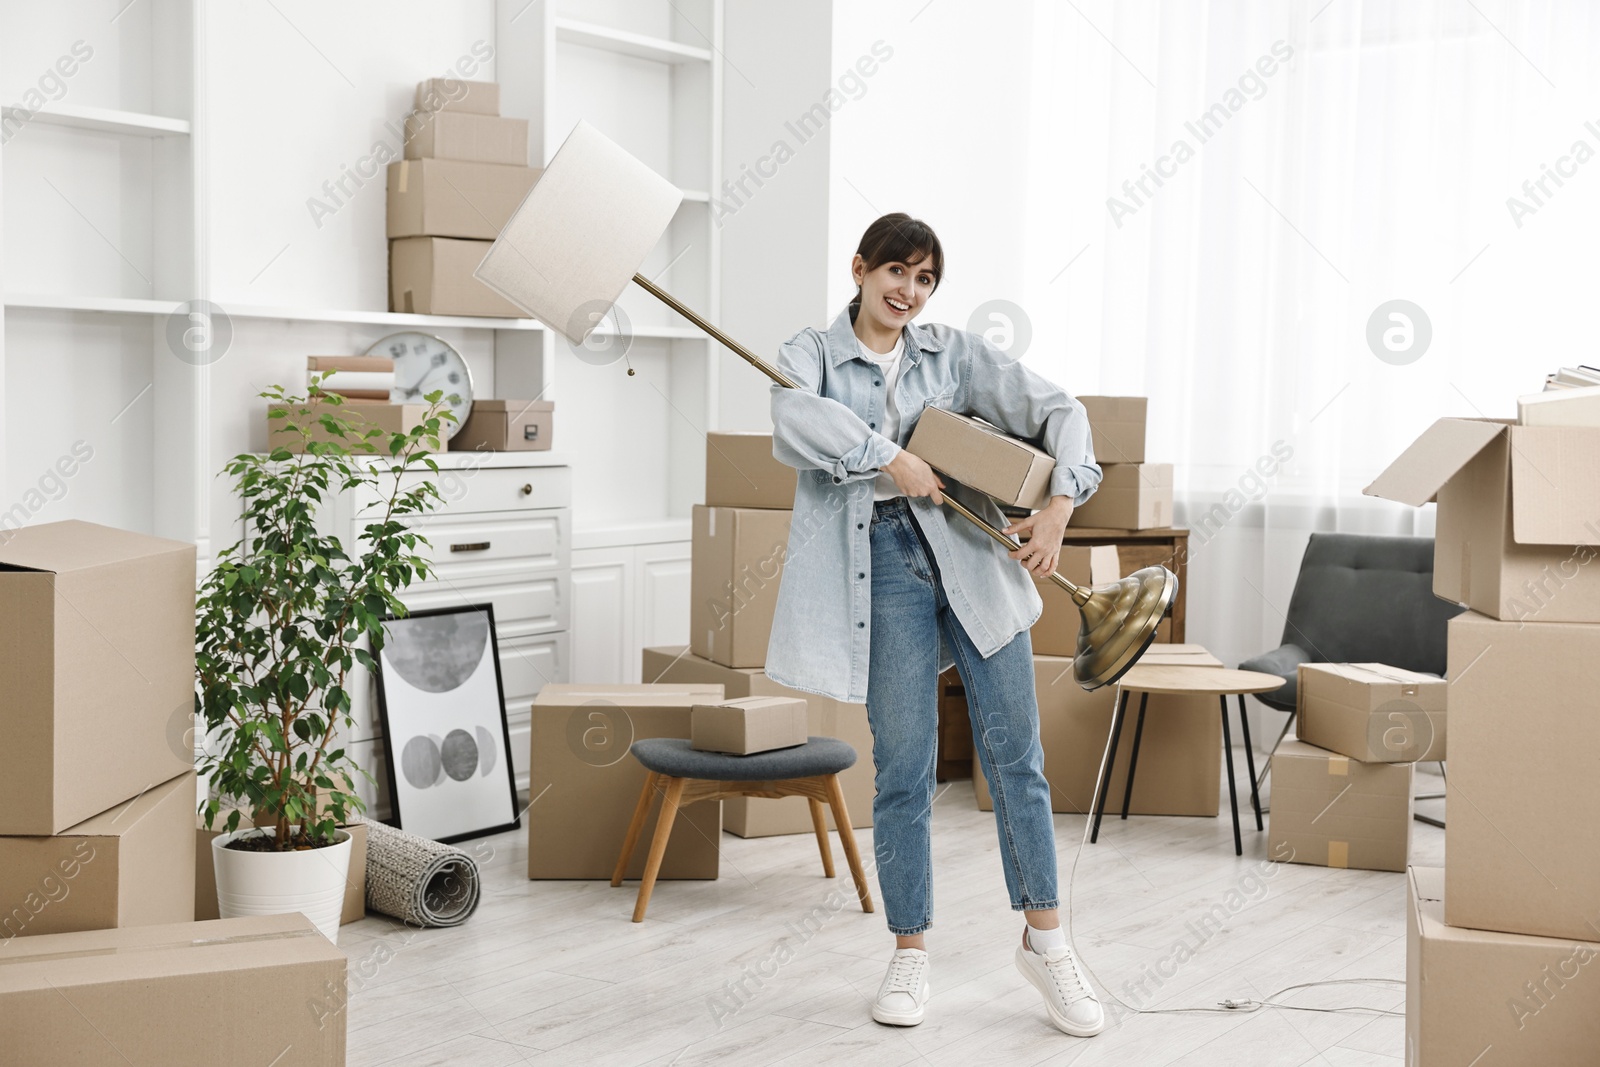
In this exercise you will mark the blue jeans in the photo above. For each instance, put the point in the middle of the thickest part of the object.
(909, 612)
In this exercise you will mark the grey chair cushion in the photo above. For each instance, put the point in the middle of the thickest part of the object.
(1360, 598)
(672, 755)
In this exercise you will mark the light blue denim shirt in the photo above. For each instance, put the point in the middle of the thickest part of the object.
(828, 429)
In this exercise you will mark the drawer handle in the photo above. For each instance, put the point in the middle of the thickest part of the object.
(470, 546)
(527, 489)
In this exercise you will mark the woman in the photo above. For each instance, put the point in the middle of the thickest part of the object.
(881, 591)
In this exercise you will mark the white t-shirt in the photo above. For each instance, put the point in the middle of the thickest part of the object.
(891, 364)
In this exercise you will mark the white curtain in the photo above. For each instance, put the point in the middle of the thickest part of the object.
(1374, 164)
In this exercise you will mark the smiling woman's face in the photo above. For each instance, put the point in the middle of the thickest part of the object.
(893, 293)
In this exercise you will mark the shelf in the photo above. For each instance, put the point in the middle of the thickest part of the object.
(104, 119)
(116, 305)
(637, 532)
(638, 45)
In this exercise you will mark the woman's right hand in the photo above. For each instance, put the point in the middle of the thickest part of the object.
(914, 477)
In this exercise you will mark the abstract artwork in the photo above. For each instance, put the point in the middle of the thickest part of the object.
(445, 738)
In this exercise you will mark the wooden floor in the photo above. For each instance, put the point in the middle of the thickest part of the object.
(555, 973)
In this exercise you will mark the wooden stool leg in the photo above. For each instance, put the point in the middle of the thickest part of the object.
(631, 840)
(841, 819)
(658, 844)
(821, 823)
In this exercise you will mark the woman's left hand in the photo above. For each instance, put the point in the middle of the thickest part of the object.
(1044, 529)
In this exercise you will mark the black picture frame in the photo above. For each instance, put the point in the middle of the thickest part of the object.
(392, 757)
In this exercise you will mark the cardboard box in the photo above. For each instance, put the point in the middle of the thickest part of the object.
(1180, 755)
(1371, 712)
(735, 565)
(984, 457)
(361, 415)
(1055, 633)
(1329, 810)
(457, 94)
(171, 995)
(742, 473)
(747, 725)
(433, 276)
(466, 136)
(97, 653)
(1131, 496)
(130, 866)
(584, 783)
(1474, 997)
(1117, 427)
(506, 426)
(1517, 520)
(766, 816)
(452, 198)
(205, 875)
(1521, 836)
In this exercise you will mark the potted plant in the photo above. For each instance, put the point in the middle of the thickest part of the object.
(280, 625)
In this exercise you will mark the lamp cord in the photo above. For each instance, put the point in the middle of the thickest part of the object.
(1229, 1005)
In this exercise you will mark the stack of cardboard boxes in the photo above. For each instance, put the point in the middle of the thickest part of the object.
(1342, 793)
(1133, 494)
(1500, 943)
(740, 538)
(465, 171)
(97, 803)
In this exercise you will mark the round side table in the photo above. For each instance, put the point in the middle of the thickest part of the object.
(1187, 681)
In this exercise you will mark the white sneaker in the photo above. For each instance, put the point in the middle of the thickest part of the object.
(904, 992)
(1068, 997)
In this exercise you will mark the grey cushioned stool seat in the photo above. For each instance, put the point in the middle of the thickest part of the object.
(672, 755)
(683, 775)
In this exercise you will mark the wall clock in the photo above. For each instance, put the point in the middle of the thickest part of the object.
(423, 363)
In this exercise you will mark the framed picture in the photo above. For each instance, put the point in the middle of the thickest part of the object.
(445, 738)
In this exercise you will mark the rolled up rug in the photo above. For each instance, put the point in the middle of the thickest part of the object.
(418, 881)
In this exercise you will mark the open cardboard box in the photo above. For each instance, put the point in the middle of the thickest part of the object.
(1518, 517)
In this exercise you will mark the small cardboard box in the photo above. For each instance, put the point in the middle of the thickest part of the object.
(983, 457)
(463, 135)
(361, 415)
(130, 866)
(747, 725)
(1524, 785)
(457, 94)
(433, 276)
(1532, 1000)
(766, 816)
(1372, 712)
(506, 426)
(1117, 427)
(170, 995)
(97, 653)
(1055, 633)
(741, 472)
(1131, 496)
(205, 874)
(585, 785)
(1180, 754)
(1329, 810)
(735, 565)
(1516, 527)
(452, 198)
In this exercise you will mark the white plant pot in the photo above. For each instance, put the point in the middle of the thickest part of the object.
(310, 881)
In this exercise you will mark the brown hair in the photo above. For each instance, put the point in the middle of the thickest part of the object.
(899, 238)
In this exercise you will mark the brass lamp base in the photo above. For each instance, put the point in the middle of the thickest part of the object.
(1119, 622)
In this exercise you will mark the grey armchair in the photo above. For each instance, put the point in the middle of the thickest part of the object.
(1360, 598)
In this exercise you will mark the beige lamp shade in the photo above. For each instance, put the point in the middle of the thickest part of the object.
(580, 234)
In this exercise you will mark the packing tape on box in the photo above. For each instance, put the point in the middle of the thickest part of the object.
(1339, 766)
(159, 946)
(1338, 853)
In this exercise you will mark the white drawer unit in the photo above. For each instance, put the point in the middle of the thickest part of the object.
(502, 535)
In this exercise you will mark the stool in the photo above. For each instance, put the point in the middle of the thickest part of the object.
(685, 775)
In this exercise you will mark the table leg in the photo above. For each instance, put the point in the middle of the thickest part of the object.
(1227, 761)
(1133, 757)
(1111, 761)
(1250, 761)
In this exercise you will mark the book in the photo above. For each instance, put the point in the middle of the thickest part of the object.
(1562, 406)
(351, 363)
(342, 381)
